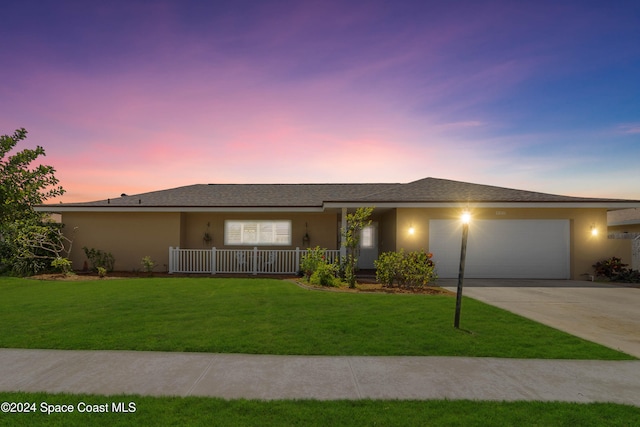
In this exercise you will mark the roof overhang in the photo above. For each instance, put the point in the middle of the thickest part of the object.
(62, 209)
(490, 205)
(348, 205)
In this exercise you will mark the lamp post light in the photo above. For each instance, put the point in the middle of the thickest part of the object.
(466, 218)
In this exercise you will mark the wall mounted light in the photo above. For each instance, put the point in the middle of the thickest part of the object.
(466, 217)
(306, 240)
(412, 230)
(594, 230)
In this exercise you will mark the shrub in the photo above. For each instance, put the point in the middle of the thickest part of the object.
(62, 265)
(609, 268)
(413, 269)
(418, 269)
(311, 260)
(388, 267)
(98, 258)
(148, 264)
(102, 272)
(315, 268)
(614, 270)
(325, 275)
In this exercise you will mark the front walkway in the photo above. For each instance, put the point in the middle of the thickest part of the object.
(267, 377)
(604, 313)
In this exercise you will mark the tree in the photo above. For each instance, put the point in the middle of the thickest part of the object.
(28, 240)
(22, 187)
(351, 240)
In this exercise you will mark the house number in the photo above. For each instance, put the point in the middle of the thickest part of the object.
(501, 213)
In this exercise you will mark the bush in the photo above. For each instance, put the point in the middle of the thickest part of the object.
(148, 264)
(325, 275)
(102, 272)
(388, 267)
(614, 270)
(311, 260)
(410, 270)
(63, 265)
(609, 268)
(98, 259)
(315, 268)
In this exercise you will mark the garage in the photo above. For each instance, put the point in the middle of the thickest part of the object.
(509, 249)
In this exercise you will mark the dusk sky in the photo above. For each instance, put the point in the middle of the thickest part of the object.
(135, 96)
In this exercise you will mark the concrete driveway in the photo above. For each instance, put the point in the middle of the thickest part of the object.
(599, 312)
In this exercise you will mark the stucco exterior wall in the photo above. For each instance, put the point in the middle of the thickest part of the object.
(128, 236)
(131, 236)
(387, 229)
(585, 248)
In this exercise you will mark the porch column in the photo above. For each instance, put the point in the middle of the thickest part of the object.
(343, 248)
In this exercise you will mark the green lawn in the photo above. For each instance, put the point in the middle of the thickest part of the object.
(266, 316)
(197, 411)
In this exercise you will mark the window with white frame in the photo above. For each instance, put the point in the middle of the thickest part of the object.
(257, 232)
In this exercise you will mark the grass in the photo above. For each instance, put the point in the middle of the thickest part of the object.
(196, 411)
(266, 316)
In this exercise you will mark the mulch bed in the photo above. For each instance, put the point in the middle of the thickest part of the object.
(374, 287)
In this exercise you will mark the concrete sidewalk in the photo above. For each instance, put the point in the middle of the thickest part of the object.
(268, 377)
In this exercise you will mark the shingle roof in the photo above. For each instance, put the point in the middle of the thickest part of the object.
(427, 190)
(244, 195)
(444, 190)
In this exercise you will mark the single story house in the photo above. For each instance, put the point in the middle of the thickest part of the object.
(513, 233)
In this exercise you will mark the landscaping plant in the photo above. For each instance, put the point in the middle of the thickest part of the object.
(63, 265)
(407, 270)
(99, 258)
(311, 260)
(615, 270)
(316, 269)
(148, 264)
(351, 240)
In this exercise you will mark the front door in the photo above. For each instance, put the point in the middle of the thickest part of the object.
(368, 246)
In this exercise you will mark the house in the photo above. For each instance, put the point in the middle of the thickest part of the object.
(513, 234)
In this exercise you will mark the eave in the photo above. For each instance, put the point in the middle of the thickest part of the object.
(609, 205)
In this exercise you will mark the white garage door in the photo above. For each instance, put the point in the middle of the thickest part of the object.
(510, 249)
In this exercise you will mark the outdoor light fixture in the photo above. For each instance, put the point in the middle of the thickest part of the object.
(465, 218)
(594, 230)
(412, 230)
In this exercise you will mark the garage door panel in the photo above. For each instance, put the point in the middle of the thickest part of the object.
(503, 248)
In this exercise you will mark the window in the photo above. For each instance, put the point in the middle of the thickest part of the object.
(238, 232)
(367, 237)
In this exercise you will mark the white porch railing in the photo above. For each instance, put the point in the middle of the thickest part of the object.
(247, 261)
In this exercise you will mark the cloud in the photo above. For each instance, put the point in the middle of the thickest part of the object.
(629, 128)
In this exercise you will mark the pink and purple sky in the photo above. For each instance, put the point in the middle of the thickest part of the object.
(135, 96)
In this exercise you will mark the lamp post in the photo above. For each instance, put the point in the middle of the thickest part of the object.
(466, 217)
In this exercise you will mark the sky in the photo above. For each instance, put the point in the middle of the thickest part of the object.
(135, 96)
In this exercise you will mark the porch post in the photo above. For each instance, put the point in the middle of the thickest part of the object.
(343, 248)
(297, 261)
(170, 259)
